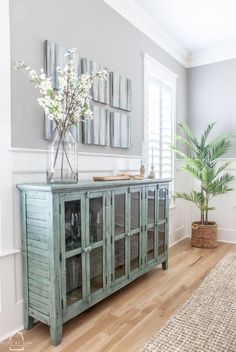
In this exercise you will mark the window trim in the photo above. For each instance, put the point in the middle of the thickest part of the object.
(153, 69)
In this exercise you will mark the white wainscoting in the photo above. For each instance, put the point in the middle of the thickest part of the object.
(29, 166)
(10, 295)
(1, 291)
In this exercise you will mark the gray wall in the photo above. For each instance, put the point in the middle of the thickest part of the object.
(212, 97)
(100, 34)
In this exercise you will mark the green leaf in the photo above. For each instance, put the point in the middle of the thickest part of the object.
(206, 133)
(188, 133)
(194, 197)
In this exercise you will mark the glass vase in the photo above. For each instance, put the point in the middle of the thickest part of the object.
(62, 158)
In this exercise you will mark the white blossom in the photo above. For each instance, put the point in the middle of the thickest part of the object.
(72, 102)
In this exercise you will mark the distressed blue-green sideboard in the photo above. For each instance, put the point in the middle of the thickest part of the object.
(83, 242)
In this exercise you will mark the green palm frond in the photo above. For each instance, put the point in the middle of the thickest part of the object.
(190, 141)
(187, 143)
(193, 170)
(219, 147)
(208, 208)
(194, 197)
(222, 190)
(179, 152)
(206, 134)
(221, 184)
(202, 163)
(208, 175)
(188, 133)
(222, 168)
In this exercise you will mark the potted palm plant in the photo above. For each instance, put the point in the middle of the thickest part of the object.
(202, 162)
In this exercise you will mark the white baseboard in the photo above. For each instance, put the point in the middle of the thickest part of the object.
(11, 333)
(181, 239)
(187, 236)
(11, 321)
(230, 242)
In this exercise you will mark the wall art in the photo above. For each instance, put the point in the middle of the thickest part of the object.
(120, 91)
(107, 127)
(100, 88)
(120, 130)
(96, 130)
(55, 55)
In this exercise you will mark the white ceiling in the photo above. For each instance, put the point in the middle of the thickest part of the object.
(195, 32)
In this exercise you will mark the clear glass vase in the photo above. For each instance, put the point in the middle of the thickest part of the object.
(62, 158)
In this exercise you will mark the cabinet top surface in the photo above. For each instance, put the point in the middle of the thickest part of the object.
(87, 184)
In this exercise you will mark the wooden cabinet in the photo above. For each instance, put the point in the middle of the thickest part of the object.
(83, 242)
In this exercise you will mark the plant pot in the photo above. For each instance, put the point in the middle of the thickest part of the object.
(204, 236)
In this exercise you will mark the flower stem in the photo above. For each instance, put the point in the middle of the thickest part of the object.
(62, 164)
(68, 160)
(56, 155)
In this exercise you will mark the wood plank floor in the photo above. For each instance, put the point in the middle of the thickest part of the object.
(127, 319)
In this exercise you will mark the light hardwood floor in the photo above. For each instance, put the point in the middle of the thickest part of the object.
(127, 319)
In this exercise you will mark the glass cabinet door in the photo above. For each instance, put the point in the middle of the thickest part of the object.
(96, 269)
(95, 245)
(96, 218)
(134, 235)
(72, 211)
(73, 260)
(162, 227)
(161, 239)
(162, 203)
(151, 219)
(74, 279)
(119, 235)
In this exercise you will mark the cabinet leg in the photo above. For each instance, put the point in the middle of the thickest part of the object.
(56, 333)
(165, 265)
(28, 322)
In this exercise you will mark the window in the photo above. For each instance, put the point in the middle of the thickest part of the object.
(159, 121)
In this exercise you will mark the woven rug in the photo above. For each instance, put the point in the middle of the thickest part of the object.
(207, 321)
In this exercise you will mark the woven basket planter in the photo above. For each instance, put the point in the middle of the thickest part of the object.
(204, 236)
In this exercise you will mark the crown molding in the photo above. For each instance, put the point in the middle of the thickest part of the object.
(136, 16)
(158, 70)
(212, 55)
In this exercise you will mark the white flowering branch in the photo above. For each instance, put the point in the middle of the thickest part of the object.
(72, 102)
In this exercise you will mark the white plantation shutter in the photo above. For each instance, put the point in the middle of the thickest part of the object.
(160, 117)
(159, 134)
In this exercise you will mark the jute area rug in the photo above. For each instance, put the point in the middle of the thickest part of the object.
(207, 321)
